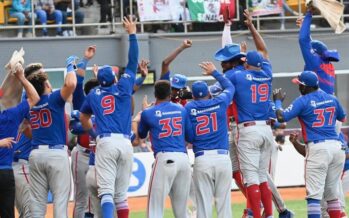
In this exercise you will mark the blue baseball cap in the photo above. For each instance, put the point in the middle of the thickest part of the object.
(215, 90)
(254, 58)
(307, 78)
(178, 81)
(200, 89)
(229, 52)
(321, 49)
(106, 75)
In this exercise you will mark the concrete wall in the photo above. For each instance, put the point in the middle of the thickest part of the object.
(283, 48)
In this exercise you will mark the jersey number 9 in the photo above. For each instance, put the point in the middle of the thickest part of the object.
(170, 127)
(108, 104)
(41, 118)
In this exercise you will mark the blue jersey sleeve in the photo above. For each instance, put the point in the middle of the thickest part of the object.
(341, 115)
(78, 94)
(19, 112)
(311, 61)
(166, 76)
(228, 89)
(293, 110)
(56, 99)
(143, 127)
(266, 67)
(86, 107)
(127, 79)
(188, 129)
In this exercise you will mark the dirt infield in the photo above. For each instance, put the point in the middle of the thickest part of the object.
(140, 203)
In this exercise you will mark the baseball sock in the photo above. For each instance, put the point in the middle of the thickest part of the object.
(334, 208)
(254, 196)
(314, 208)
(238, 180)
(122, 209)
(107, 204)
(266, 198)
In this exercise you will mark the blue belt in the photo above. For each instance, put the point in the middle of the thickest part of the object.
(322, 140)
(219, 151)
(49, 146)
(105, 135)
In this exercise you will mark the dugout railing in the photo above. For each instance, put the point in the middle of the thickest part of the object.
(118, 11)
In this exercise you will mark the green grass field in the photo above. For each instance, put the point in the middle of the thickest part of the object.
(297, 206)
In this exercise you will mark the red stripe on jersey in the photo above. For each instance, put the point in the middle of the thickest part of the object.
(304, 132)
(235, 112)
(328, 69)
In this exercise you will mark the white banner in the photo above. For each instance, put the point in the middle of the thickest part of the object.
(151, 10)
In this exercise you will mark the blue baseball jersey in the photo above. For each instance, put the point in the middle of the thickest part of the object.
(313, 62)
(169, 127)
(252, 93)
(10, 120)
(47, 120)
(317, 113)
(22, 148)
(112, 105)
(209, 118)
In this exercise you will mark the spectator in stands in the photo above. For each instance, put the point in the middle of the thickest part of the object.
(105, 11)
(21, 9)
(45, 10)
(66, 7)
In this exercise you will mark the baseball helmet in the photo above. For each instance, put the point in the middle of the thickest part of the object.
(321, 49)
(307, 78)
(229, 52)
(178, 81)
(200, 89)
(106, 76)
(254, 58)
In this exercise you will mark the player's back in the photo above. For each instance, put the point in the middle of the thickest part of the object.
(166, 122)
(112, 110)
(22, 148)
(318, 118)
(252, 95)
(209, 120)
(47, 120)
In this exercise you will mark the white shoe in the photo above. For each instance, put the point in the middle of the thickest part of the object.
(20, 35)
(65, 33)
(71, 33)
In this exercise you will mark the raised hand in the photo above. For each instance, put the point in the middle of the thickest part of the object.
(71, 60)
(130, 25)
(90, 52)
(299, 22)
(145, 103)
(19, 71)
(248, 18)
(143, 67)
(187, 43)
(208, 68)
(278, 95)
(95, 70)
(243, 46)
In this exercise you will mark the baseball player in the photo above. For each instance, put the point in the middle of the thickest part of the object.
(212, 166)
(48, 161)
(111, 105)
(169, 126)
(11, 119)
(81, 152)
(317, 112)
(178, 81)
(252, 106)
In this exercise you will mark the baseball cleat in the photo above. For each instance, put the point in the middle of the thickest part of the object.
(286, 214)
(247, 213)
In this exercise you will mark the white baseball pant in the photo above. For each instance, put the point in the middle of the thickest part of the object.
(23, 198)
(171, 175)
(91, 184)
(254, 144)
(212, 179)
(114, 160)
(49, 170)
(323, 167)
(79, 167)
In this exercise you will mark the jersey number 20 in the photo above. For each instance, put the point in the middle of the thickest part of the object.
(170, 130)
(41, 118)
(108, 104)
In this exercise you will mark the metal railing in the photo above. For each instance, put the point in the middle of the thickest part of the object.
(114, 24)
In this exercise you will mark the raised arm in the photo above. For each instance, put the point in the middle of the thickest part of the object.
(226, 35)
(133, 51)
(257, 38)
(165, 66)
(78, 94)
(143, 68)
(311, 60)
(70, 79)
(291, 111)
(32, 95)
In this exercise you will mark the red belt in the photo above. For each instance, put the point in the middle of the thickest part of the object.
(253, 123)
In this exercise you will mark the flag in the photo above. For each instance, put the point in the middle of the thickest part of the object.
(210, 10)
(264, 7)
(151, 10)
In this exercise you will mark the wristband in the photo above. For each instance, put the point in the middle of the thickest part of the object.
(70, 68)
(140, 81)
(92, 133)
(83, 64)
(278, 104)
